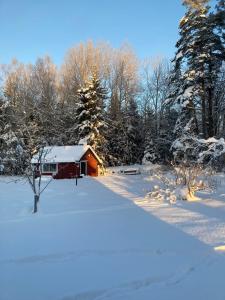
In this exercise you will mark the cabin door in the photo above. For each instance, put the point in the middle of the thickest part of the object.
(83, 168)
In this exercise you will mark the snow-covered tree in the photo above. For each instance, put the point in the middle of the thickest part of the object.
(133, 138)
(124, 134)
(196, 70)
(9, 143)
(115, 142)
(219, 19)
(151, 154)
(202, 53)
(90, 119)
(195, 4)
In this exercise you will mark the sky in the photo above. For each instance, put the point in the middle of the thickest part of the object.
(33, 28)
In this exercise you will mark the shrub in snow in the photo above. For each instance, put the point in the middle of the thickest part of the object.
(186, 193)
(181, 184)
(162, 195)
(186, 176)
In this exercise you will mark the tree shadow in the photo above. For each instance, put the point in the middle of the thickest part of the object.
(172, 236)
(209, 211)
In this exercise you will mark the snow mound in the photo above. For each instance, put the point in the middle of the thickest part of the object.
(220, 248)
(170, 195)
(162, 195)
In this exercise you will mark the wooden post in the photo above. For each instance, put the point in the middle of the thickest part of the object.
(76, 173)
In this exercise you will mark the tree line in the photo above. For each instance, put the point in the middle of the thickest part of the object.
(129, 111)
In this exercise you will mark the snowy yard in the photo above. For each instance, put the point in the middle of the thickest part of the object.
(104, 240)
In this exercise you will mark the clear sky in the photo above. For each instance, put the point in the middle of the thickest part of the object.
(33, 28)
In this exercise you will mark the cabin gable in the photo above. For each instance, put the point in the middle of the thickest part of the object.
(92, 163)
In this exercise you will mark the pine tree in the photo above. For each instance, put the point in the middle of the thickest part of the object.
(133, 148)
(115, 142)
(30, 135)
(90, 120)
(219, 19)
(68, 125)
(198, 60)
(203, 52)
(157, 147)
(125, 135)
(115, 132)
(9, 143)
(181, 91)
(207, 65)
(151, 155)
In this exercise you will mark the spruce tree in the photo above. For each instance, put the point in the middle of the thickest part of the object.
(133, 148)
(90, 119)
(115, 142)
(10, 144)
(115, 132)
(125, 134)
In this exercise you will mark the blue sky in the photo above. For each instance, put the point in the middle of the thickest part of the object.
(33, 28)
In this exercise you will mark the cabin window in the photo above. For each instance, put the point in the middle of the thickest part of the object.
(83, 168)
(49, 168)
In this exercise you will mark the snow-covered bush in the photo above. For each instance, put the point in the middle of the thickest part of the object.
(211, 180)
(210, 152)
(161, 195)
(186, 174)
(181, 183)
(187, 180)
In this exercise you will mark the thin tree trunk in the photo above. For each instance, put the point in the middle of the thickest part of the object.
(210, 113)
(211, 129)
(217, 120)
(222, 129)
(196, 121)
(204, 113)
(36, 199)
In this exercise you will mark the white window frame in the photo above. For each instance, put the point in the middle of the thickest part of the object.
(52, 172)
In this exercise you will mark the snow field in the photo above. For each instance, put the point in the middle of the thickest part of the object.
(104, 240)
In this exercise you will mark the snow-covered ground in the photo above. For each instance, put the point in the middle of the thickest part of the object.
(104, 240)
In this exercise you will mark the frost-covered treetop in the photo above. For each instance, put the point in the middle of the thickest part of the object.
(195, 4)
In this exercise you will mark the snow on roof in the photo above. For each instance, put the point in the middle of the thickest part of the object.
(64, 154)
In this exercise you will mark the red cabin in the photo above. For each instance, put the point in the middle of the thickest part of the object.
(63, 162)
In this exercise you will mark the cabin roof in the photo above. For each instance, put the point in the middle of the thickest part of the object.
(64, 154)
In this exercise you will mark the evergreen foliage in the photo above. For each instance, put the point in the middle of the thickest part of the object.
(90, 120)
(197, 67)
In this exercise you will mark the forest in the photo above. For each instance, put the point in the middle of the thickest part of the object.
(158, 110)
